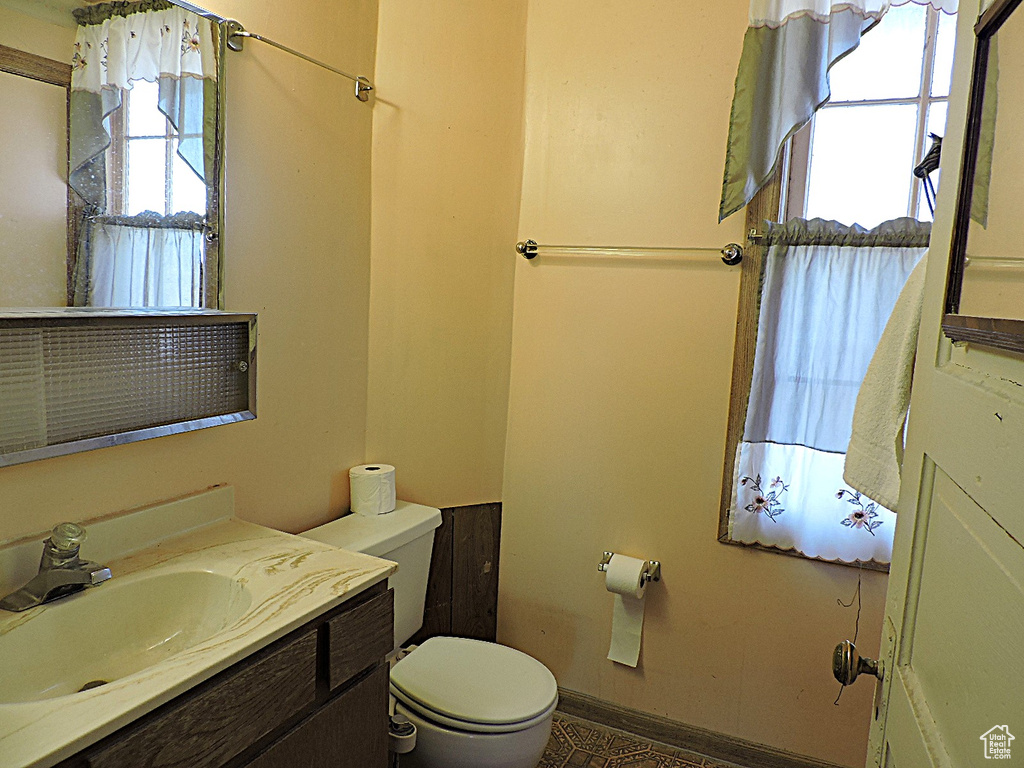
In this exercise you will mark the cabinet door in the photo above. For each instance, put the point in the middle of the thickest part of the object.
(349, 732)
(360, 637)
(209, 728)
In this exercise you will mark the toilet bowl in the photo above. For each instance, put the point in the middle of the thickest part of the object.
(475, 704)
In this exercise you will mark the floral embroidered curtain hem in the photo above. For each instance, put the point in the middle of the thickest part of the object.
(828, 292)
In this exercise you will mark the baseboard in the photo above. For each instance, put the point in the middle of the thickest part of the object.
(705, 742)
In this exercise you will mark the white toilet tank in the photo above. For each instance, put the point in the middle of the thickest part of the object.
(405, 536)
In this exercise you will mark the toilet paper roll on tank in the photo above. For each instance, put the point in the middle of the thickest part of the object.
(372, 488)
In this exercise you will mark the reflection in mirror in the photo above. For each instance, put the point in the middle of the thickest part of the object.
(109, 193)
(993, 278)
(33, 191)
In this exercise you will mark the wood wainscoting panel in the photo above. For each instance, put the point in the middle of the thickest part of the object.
(462, 591)
(437, 614)
(475, 571)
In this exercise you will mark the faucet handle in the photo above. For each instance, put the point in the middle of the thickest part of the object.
(67, 537)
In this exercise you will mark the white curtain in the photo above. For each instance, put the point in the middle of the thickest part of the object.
(118, 44)
(142, 46)
(775, 12)
(823, 309)
(131, 263)
(782, 79)
(149, 260)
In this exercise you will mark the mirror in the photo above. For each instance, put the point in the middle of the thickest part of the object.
(986, 281)
(122, 210)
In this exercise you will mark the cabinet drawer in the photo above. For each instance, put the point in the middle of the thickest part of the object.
(361, 637)
(349, 732)
(215, 724)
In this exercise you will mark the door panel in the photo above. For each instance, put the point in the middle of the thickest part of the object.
(972, 581)
(955, 606)
(909, 743)
(959, 672)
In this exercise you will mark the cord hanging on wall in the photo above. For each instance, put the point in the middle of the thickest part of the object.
(236, 40)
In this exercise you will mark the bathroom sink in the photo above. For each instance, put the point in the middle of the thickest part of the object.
(114, 630)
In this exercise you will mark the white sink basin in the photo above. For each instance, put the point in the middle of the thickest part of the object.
(194, 591)
(116, 629)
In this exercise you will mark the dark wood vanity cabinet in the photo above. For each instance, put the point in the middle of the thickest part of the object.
(317, 698)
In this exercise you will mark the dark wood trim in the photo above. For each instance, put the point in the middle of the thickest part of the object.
(994, 17)
(766, 206)
(988, 331)
(30, 65)
(680, 735)
(462, 589)
(965, 190)
(475, 551)
(437, 613)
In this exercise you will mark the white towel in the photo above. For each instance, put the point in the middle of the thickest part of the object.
(875, 453)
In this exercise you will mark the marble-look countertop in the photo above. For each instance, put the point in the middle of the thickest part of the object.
(290, 581)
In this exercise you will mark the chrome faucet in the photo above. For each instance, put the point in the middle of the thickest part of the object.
(61, 571)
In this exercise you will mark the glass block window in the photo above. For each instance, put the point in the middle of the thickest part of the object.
(103, 379)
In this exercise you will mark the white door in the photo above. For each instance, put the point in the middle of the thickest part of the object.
(953, 640)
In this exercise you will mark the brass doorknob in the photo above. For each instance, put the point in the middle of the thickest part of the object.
(847, 664)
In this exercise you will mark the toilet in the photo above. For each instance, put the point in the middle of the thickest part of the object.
(475, 704)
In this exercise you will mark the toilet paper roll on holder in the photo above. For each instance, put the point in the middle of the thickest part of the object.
(653, 568)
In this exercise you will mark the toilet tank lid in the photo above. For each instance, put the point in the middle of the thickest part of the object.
(380, 534)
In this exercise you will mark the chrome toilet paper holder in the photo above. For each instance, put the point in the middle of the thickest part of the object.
(653, 568)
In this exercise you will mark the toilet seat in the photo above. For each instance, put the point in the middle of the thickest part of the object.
(475, 686)
(467, 725)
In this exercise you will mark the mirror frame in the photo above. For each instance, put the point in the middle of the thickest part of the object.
(1001, 333)
(114, 319)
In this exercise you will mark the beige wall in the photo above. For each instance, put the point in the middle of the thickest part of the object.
(297, 252)
(33, 193)
(620, 393)
(447, 165)
(619, 374)
(33, 170)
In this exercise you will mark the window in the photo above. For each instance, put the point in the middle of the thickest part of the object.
(854, 162)
(146, 172)
(816, 296)
(145, 133)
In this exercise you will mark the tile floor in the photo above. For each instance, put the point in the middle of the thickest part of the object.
(577, 743)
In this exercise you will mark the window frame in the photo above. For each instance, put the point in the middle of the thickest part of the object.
(769, 204)
(120, 143)
(798, 174)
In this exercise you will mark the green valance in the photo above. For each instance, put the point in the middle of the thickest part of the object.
(97, 14)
